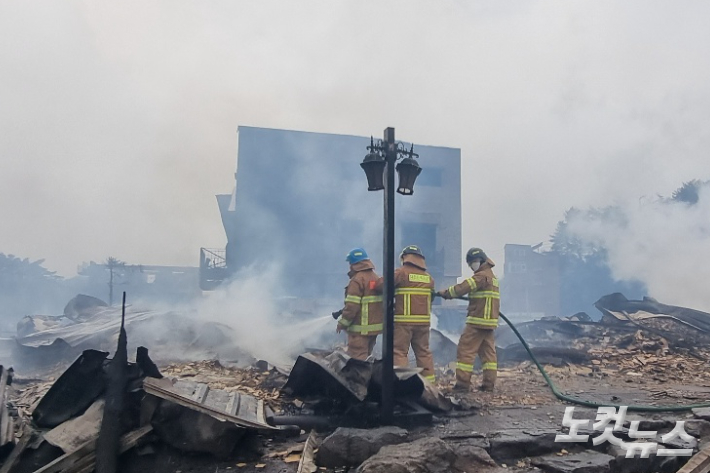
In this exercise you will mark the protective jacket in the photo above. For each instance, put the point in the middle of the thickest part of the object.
(484, 295)
(413, 291)
(362, 313)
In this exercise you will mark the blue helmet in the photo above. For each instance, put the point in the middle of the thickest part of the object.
(356, 255)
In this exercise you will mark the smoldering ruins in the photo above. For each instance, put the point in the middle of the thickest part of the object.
(567, 139)
(250, 376)
(231, 410)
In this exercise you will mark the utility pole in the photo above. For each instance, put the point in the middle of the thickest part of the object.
(379, 167)
(387, 412)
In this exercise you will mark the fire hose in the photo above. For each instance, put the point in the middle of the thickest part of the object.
(582, 402)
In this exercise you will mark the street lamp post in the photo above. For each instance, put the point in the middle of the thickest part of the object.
(379, 166)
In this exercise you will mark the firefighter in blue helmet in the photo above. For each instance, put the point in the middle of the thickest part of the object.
(361, 316)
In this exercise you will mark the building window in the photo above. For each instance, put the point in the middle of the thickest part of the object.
(518, 268)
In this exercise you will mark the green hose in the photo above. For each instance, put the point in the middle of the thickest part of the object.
(582, 402)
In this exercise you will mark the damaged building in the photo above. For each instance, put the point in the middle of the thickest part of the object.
(301, 200)
(531, 287)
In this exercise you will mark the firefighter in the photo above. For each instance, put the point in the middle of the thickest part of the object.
(361, 317)
(412, 311)
(481, 321)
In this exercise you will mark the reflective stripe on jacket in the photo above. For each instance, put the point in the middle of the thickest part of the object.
(484, 294)
(363, 306)
(413, 290)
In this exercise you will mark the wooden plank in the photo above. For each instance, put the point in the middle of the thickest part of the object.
(17, 451)
(699, 463)
(5, 420)
(85, 456)
(307, 464)
(68, 459)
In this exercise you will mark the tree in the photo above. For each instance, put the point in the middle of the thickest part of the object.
(585, 274)
(689, 191)
(27, 287)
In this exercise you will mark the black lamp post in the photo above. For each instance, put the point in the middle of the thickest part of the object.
(379, 166)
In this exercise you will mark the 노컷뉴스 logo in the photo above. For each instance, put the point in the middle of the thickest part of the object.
(609, 421)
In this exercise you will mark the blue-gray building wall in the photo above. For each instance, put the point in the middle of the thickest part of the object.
(301, 202)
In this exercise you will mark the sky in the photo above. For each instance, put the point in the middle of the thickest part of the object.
(118, 119)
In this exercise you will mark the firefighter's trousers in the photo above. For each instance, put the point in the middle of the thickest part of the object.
(360, 346)
(482, 341)
(416, 335)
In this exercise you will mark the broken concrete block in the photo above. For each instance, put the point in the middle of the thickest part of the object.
(471, 458)
(650, 424)
(351, 447)
(427, 455)
(652, 464)
(702, 413)
(513, 445)
(698, 428)
(677, 443)
(621, 464)
(474, 440)
(583, 462)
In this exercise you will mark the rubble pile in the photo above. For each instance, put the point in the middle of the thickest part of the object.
(647, 355)
(645, 339)
(58, 422)
(322, 413)
(45, 342)
(261, 380)
(26, 399)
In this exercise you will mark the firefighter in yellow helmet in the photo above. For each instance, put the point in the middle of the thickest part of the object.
(483, 309)
(361, 316)
(413, 292)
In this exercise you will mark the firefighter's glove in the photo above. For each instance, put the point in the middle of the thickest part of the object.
(444, 294)
(339, 328)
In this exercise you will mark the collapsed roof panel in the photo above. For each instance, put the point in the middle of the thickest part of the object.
(240, 409)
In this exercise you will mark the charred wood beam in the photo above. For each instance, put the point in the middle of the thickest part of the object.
(83, 458)
(518, 353)
(146, 364)
(107, 445)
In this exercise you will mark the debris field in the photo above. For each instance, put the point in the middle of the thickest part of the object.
(321, 413)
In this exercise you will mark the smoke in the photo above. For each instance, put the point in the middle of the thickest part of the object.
(663, 243)
(264, 324)
(120, 117)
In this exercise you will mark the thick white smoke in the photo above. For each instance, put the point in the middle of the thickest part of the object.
(262, 322)
(665, 244)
